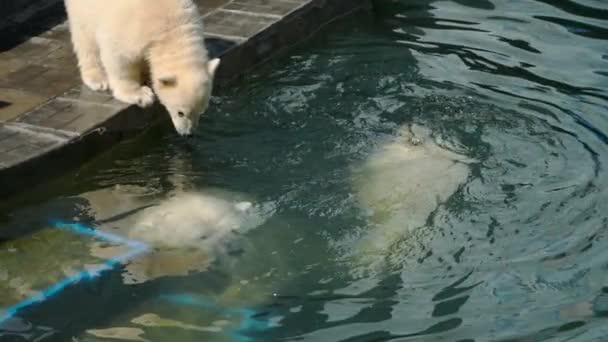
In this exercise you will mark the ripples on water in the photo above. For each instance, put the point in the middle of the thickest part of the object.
(518, 253)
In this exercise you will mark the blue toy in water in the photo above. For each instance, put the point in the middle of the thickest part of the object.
(136, 248)
(249, 323)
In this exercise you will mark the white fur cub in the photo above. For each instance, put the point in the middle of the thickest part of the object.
(113, 39)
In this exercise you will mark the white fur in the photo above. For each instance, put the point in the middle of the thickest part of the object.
(187, 230)
(114, 39)
(191, 220)
(401, 185)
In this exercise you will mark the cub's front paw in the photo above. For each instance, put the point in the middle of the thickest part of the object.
(142, 96)
(96, 81)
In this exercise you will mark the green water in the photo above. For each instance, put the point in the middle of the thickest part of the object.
(516, 253)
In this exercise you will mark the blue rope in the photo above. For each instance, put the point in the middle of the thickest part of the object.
(248, 322)
(137, 248)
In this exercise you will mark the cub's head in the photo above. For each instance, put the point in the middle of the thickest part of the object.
(185, 93)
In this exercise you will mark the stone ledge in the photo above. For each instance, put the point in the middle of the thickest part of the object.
(50, 123)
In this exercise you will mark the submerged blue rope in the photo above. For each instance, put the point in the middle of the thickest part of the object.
(137, 248)
(248, 321)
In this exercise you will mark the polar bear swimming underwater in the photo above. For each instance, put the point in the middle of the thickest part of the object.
(186, 230)
(400, 185)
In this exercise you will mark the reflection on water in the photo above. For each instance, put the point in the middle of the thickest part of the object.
(509, 245)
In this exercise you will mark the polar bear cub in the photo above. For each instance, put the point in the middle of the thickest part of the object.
(114, 39)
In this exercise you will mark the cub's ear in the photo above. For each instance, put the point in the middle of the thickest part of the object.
(168, 81)
(212, 66)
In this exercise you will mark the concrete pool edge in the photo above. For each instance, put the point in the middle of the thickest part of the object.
(67, 129)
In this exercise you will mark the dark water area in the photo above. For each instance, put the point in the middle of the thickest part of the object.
(516, 249)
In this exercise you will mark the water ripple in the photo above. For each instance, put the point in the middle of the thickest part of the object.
(518, 252)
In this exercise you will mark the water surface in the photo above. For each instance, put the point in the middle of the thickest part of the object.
(517, 253)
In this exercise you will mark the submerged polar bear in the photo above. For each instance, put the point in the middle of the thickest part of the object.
(187, 232)
(113, 39)
(401, 185)
(192, 220)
